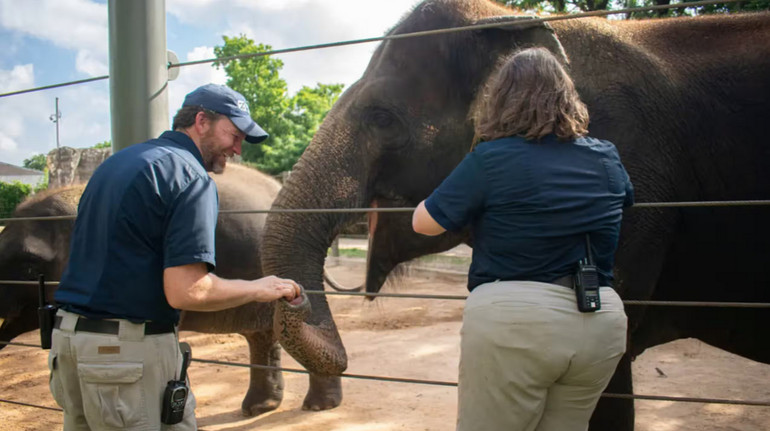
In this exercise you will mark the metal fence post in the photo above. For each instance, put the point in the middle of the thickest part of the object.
(138, 71)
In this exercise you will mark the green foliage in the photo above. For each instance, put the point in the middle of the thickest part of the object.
(290, 121)
(36, 162)
(11, 194)
(566, 6)
(103, 144)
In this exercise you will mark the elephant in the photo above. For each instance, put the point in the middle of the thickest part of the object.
(685, 101)
(29, 248)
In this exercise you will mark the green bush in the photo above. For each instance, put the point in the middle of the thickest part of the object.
(11, 194)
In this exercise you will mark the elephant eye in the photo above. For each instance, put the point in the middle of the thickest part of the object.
(382, 119)
(385, 127)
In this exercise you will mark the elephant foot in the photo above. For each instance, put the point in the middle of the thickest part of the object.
(324, 393)
(263, 400)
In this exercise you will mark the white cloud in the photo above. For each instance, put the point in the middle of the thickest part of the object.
(92, 65)
(25, 125)
(80, 25)
(283, 24)
(18, 78)
(14, 111)
(7, 143)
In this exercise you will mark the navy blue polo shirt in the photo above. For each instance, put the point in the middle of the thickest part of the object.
(148, 207)
(530, 204)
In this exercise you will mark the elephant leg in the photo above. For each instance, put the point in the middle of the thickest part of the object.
(325, 392)
(265, 386)
(616, 414)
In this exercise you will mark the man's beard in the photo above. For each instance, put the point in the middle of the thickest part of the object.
(218, 165)
(213, 161)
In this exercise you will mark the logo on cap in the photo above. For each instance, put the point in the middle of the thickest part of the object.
(243, 106)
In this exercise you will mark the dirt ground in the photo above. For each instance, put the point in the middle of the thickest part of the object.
(408, 338)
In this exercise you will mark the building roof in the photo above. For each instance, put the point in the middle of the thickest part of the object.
(7, 169)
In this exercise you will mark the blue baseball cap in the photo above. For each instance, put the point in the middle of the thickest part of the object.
(226, 101)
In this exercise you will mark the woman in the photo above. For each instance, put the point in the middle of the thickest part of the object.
(532, 192)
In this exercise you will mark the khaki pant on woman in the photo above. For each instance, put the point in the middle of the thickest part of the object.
(530, 361)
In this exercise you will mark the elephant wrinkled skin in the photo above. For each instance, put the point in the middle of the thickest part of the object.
(29, 248)
(685, 100)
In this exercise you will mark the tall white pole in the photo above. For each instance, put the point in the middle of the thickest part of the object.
(55, 118)
(138, 71)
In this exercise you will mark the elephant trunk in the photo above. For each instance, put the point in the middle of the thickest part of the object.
(295, 246)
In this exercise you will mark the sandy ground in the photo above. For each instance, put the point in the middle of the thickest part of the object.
(408, 338)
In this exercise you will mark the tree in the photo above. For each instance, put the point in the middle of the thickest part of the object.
(290, 121)
(11, 194)
(308, 109)
(36, 162)
(258, 80)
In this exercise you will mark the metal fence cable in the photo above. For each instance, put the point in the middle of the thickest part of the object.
(405, 36)
(597, 13)
(454, 384)
(686, 204)
(463, 297)
(11, 343)
(56, 409)
(626, 302)
(48, 87)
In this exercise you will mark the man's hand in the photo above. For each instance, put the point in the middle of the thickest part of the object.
(271, 288)
(192, 287)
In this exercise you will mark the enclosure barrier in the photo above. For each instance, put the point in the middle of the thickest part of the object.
(368, 210)
(689, 204)
(432, 383)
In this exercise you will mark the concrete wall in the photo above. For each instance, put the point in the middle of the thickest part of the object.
(73, 165)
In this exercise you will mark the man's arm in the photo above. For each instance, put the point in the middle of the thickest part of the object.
(192, 287)
(424, 223)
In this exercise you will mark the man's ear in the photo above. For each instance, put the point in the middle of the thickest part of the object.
(202, 123)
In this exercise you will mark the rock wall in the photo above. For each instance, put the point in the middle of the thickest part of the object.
(68, 166)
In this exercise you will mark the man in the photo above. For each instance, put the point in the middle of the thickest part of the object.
(142, 249)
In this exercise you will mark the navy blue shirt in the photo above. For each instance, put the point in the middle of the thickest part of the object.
(146, 208)
(530, 204)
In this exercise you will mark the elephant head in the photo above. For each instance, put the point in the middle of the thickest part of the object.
(30, 248)
(388, 142)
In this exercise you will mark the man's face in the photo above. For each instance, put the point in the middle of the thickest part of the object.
(220, 139)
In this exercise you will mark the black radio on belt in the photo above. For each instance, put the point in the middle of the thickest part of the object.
(175, 396)
(587, 283)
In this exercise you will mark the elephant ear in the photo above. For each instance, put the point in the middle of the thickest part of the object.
(521, 31)
(473, 55)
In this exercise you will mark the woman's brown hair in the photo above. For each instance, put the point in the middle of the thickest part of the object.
(531, 95)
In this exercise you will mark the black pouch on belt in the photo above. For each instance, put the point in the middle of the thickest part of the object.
(46, 313)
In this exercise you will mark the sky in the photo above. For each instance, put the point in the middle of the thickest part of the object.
(47, 42)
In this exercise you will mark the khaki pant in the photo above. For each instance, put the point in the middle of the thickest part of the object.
(114, 382)
(530, 361)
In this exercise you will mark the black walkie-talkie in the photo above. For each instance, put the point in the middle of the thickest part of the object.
(46, 314)
(587, 283)
(175, 396)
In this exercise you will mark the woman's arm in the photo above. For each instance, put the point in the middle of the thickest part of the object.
(423, 222)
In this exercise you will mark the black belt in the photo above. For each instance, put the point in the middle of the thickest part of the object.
(566, 281)
(113, 327)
